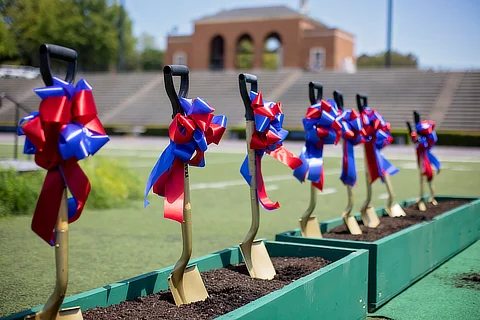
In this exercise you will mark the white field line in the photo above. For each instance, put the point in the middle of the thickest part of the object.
(272, 187)
(383, 196)
(327, 191)
(235, 183)
(397, 157)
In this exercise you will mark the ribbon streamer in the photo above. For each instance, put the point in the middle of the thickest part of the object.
(377, 136)
(353, 134)
(267, 138)
(321, 128)
(424, 139)
(190, 135)
(66, 129)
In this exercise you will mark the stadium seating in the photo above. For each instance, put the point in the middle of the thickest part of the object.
(139, 99)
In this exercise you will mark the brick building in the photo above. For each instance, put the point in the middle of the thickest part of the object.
(247, 37)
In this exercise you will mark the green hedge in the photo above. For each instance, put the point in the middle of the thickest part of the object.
(446, 138)
(19, 192)
(113, 186)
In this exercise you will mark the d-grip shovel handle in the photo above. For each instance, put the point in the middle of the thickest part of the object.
(409, 126)
(338, 98)
(60, 53)
(311, 91)
(243, 79)
(416, 117)
(362, 101)
(169, 72)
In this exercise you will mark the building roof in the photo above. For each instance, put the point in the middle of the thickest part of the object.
(254, 12)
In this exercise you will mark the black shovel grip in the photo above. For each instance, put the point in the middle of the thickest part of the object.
(68, 55)
(243, 79)
(409, 126)
(169, 72)
(311, 91)
(338, 97)
(416, 117)
(362, 101)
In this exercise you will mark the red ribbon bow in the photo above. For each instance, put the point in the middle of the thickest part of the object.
(44, 131)
(268, 138)
(189, 135)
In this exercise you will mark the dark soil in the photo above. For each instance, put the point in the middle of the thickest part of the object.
(390, 225)
(469, 280)
(229, 288)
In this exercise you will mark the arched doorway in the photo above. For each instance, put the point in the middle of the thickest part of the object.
(217, 53)
(273, 52)
(244, 52)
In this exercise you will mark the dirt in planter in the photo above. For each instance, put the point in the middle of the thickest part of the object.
(390, 225)
(469, 280)
(229, 288)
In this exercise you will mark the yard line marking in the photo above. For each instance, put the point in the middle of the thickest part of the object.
(151, 164)
(272, 187)
(460, 168)
(327, 191)
(383, 196)
(234, 183)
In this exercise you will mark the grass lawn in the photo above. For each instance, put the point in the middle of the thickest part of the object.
(112, 245)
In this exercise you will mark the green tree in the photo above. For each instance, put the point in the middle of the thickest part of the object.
(378, 60)
(88, 26)
(8, 48)
(150, 57)
(244, 58)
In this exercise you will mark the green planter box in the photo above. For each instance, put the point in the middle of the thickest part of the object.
(337, 291)
(397, 261)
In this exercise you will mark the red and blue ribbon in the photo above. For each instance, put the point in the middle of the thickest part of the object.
(424, 139)
(190, 135)
(321, 128)
(377, 137)
(352, 134)
(66, 129)
(267, 138)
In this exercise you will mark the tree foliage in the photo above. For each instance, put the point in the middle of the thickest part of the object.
(91, 27)
(378, 60)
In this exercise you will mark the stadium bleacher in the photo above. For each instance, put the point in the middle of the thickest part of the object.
(452, 99)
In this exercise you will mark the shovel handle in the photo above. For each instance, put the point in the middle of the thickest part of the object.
(338, 97)
(243, 79)
(409, 126)
(169, 72)
(311, 91)
(68, 55)
(362, 101)
(416, 117)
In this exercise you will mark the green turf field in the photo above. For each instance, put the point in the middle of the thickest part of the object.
(111, 245)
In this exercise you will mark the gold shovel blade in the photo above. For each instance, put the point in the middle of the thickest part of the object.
(421, 206)
(73, 313)
(352, 225)
(258, 262)
(433, 201)
(395, 211)
(193, 287)
(312, 229)
(370, 218)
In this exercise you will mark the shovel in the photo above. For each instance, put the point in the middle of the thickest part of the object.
(309, 226)
(369, 216)
(185, 282)
(420, 202)
(431, 199)
(254, 252)
(51, 309)
(350, 221)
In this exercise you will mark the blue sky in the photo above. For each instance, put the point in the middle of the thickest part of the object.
(442, 33)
